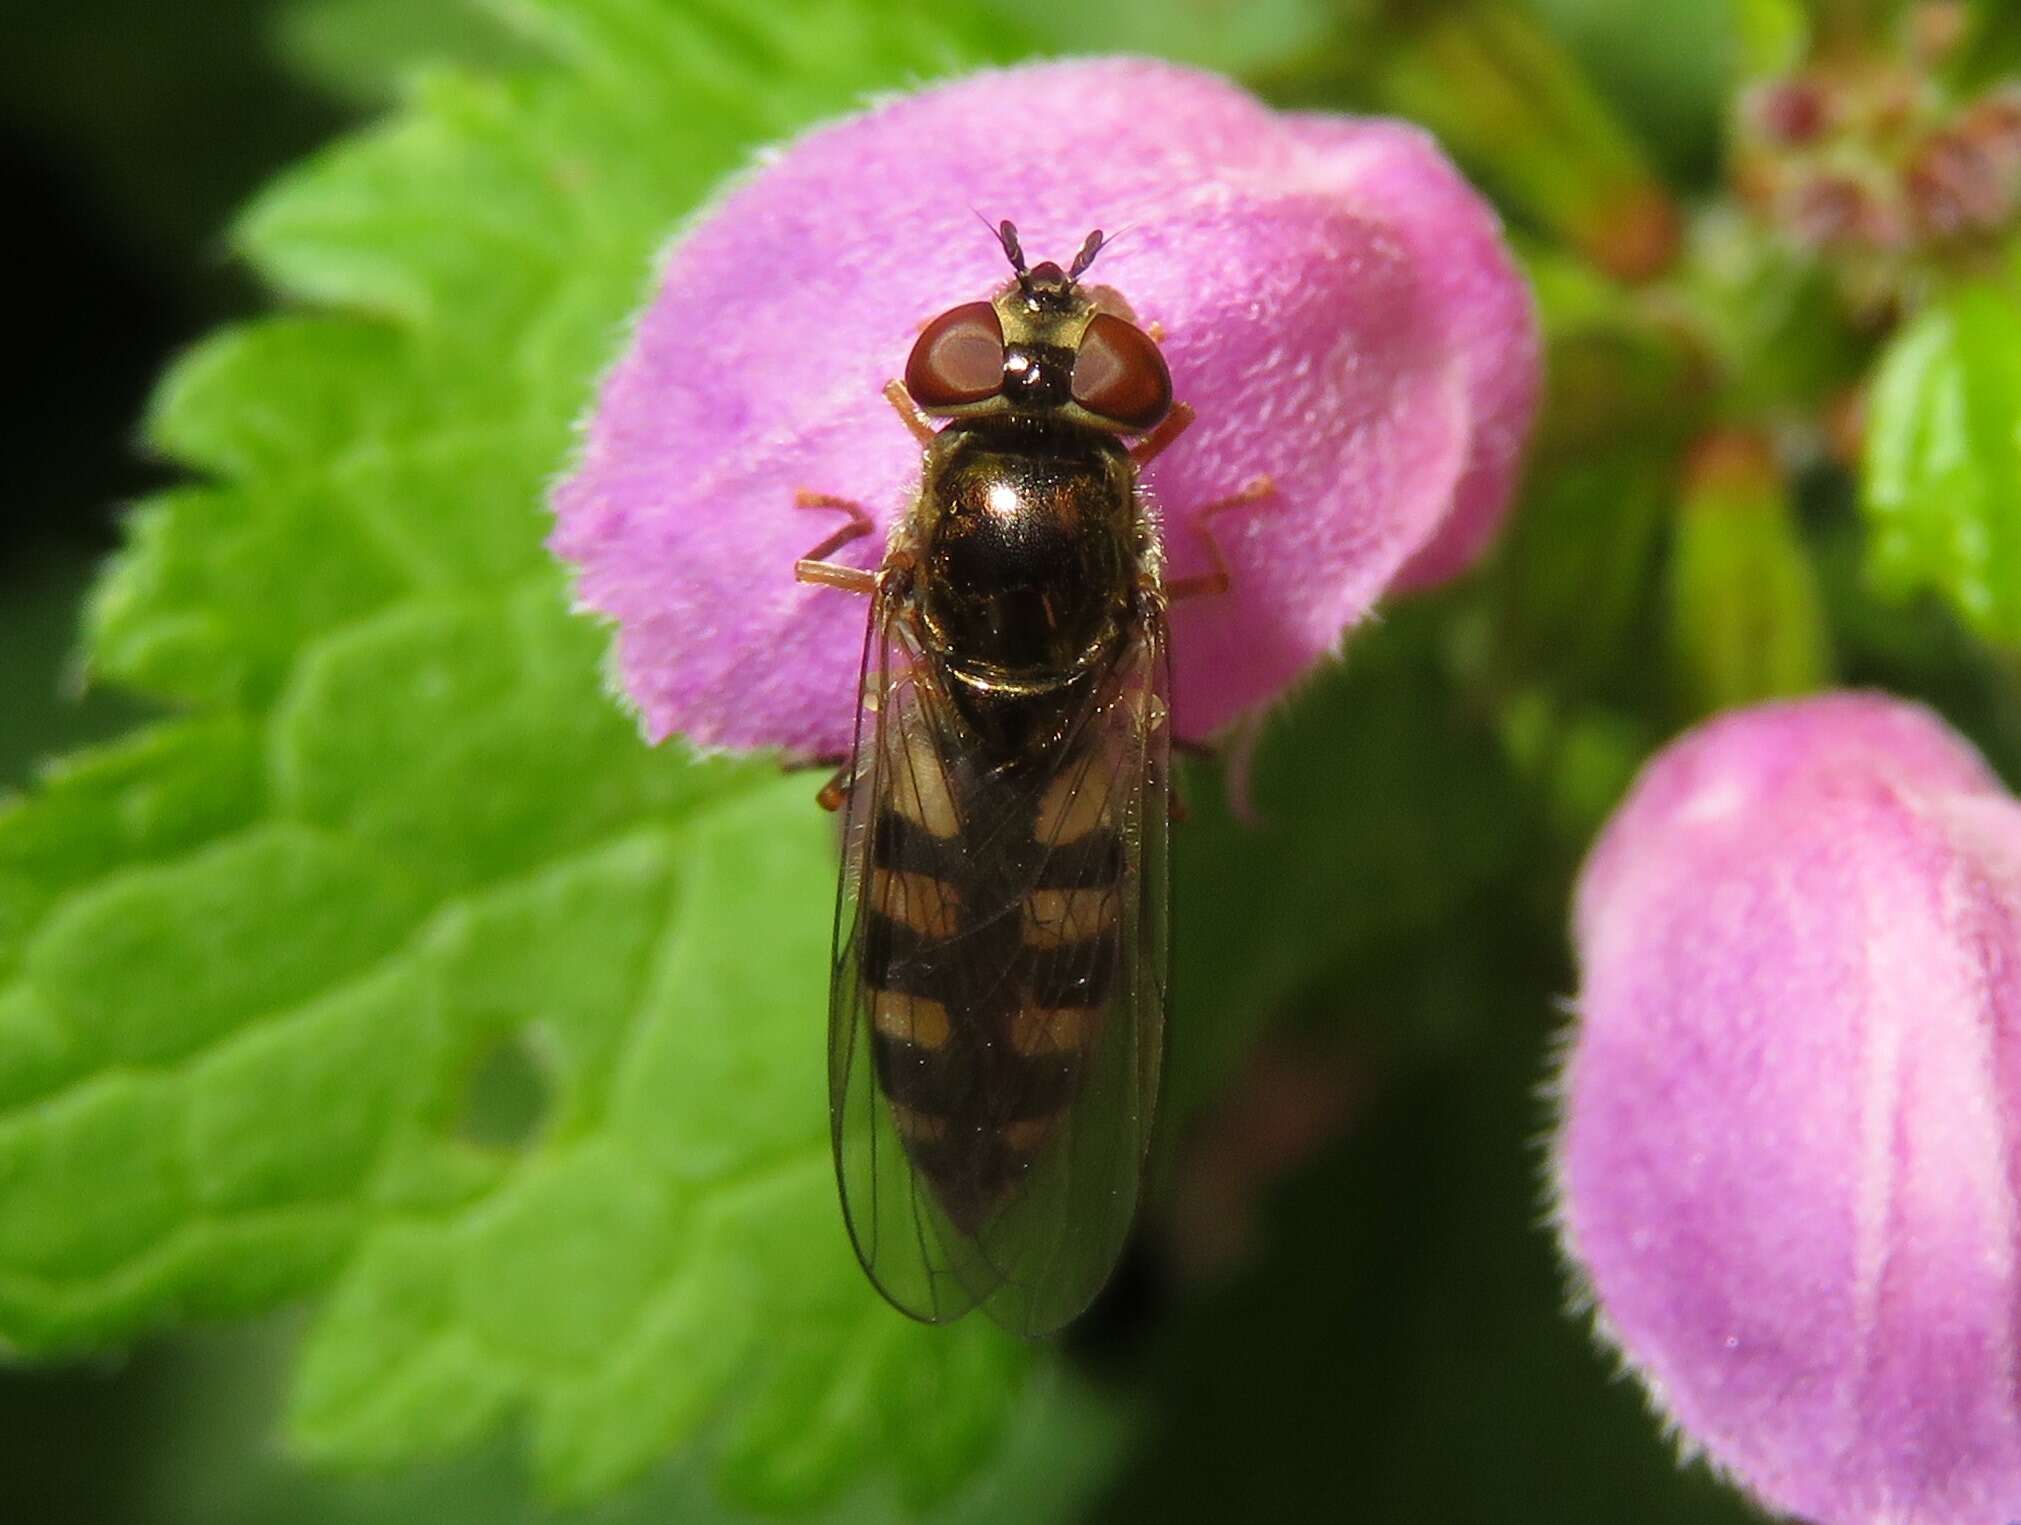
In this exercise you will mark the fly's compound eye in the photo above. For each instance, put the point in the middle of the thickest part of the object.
(958, 358)
(1119, 374)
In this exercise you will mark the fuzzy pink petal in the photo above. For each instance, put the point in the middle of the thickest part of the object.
(1791, 1145)
(1316, 315)
(1491, 322)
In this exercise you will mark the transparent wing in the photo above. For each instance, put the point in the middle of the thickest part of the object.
(998, 1006)
(903, 757)
(1095, 971)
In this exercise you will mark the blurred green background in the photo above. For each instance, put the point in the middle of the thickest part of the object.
(1346, 1304)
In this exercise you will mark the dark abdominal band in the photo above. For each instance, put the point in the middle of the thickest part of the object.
(978, 1108)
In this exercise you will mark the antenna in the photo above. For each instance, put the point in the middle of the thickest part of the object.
(1006, 233)
(1086, 257)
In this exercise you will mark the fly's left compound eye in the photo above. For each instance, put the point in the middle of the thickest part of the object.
(1119, 374)
(958, 358)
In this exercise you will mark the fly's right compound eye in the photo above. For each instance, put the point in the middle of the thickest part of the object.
(958, 358)
(1120, 375)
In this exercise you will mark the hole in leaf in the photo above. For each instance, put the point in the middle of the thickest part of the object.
(507, 1092)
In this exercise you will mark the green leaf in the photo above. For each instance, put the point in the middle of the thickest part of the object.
(1774, 324)
(1616, 381)
(364, 49)
(1991, 51)
(1918, 649)
(1773, 35)
(397, 969)
(1380, 806)
(38, 631)
(1511, 102)
(1747, 619)
(1579, 759)
(208, 1460)
(1665, 65)
(1572, 584)
(1236, 39)
(1942, 489)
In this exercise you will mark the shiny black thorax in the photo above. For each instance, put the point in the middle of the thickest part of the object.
(1027, 569)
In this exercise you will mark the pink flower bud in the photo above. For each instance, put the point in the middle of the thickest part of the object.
(1790, 111)
(1791, 1142)
(1336, 304)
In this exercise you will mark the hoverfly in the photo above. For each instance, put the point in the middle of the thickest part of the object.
(998, 1001)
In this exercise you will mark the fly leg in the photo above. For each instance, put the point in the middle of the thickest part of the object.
(833, 794)
(1152, 445)
(908, 413)
(1175, 802)
(1237, 758)
(1218, 581)
(815, 567)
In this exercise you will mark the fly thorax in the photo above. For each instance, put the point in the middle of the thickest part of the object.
(1029, 558)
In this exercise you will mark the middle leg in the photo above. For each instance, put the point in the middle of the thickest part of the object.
(1218, 581)
(815, 567)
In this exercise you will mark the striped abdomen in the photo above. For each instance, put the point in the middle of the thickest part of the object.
(991, 948)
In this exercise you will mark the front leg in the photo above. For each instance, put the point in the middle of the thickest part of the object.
(918, 423)
(1153, 445)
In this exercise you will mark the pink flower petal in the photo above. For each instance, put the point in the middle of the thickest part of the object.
(1791, 1145)
(1323, 284)
(1491, 323)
